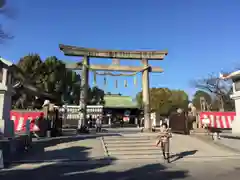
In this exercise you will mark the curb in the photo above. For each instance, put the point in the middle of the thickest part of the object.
(104, 147)
(230, 137)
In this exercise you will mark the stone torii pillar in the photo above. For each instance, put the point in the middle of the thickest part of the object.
(83, 93)
(146, 96)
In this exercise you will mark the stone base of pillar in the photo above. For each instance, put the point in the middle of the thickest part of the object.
(194, 125)
(83, 129)
(236, 126)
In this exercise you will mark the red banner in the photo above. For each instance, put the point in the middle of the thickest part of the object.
(20, 118)
(222, 120)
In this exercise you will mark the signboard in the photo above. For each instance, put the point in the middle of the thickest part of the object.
(80, 51)
(125, 119)
(127, 113)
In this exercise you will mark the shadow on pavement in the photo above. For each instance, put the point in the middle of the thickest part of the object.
(93, 171)
(183, 154)
(71, 148)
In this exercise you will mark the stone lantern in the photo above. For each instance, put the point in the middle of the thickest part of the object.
(6, 92)
(235, 76)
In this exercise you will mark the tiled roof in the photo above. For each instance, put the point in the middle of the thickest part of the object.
(117, 101)
(6, 61)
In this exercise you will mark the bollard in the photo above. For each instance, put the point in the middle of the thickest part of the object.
(28, 140)
(216, 136)
(49, 133)
(28, 123)
(1, 159)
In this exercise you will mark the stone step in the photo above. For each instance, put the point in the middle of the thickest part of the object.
(132, 156)
(134, 148)
(199, 131)
(129, 138)
(128, 142)
(136, 145)
(136, 152)
(133, 144)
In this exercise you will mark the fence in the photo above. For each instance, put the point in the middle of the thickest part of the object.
(73, 114)
(20, 117)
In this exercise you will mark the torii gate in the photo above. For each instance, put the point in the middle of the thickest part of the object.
(86, 53)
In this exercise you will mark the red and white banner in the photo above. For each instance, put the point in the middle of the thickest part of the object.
(20, 119)
(221, 120)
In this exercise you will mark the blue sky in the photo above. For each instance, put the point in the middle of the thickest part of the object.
(201, 36)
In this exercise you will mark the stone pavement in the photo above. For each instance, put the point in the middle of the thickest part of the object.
(82, 157)
(226, 170)
(138, 146)
(202, 149)
(230, 143)
(73, 148)
(183, 148)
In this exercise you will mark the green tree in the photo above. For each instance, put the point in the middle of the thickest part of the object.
(51, 77)
(164, 100)
(30, 65)
(179, 99)
(198, 95)
(220, 89)
(28, 74)
(159, 98)
(139, 99)
(96, 96)
(54, 78)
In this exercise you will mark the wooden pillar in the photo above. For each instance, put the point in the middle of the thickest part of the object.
(83, 93)
(146, 96)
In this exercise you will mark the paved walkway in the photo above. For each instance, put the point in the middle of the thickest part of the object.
(198, 148)
(72, 158)
(78, 148)
(90, 147)
(192, 149)
(230, 143)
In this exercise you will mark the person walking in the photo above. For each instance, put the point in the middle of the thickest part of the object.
(90, 121)
(121, 122)
(164, 140)
(98, 124)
